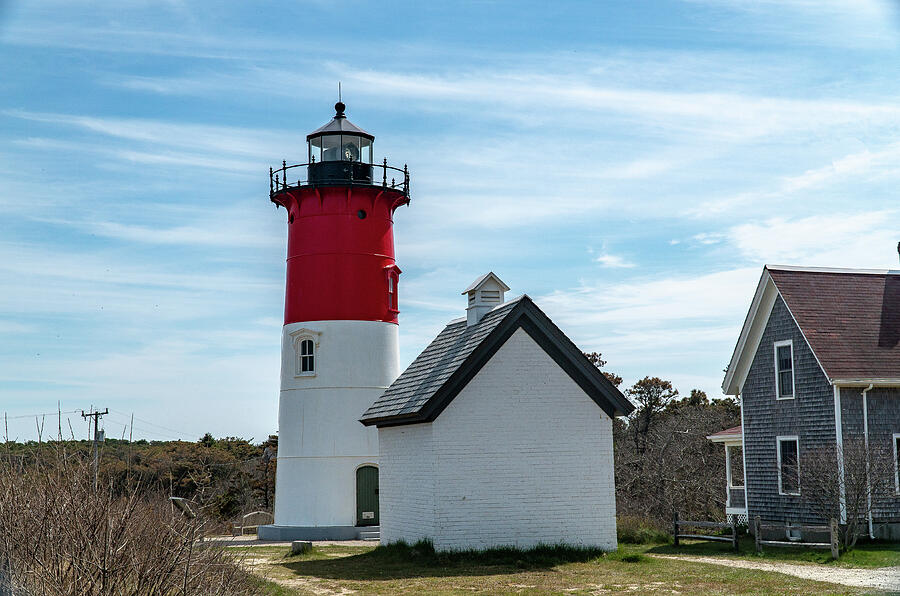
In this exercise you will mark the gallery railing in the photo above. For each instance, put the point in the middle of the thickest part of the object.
(332, 173)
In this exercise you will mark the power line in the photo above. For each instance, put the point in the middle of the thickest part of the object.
(118, 418)
(174, 430)
(43, 414)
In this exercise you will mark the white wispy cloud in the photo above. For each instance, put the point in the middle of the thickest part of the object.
(852, 239)
(654, 326)
(202, 138)
(708, 237)
(880, 163)
(613, 261)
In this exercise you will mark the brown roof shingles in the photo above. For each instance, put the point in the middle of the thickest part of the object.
(850, 319)
(734, 431)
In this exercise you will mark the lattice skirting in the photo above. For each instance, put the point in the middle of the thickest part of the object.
(738, 518)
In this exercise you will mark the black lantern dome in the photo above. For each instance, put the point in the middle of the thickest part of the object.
(340, 151)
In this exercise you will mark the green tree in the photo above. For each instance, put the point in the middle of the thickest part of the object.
(597, 360)
(651, 396)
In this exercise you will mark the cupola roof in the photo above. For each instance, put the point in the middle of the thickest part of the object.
(339, 125)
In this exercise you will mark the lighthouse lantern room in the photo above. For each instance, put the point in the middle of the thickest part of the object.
(339, 340)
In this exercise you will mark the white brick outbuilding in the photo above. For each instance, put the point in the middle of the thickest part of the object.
(499, 433)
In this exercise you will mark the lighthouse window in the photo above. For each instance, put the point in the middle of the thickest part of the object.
(392, 292)
(331, 148)
(350, 148)
(365, 150)
(315, 149)
(307, 357)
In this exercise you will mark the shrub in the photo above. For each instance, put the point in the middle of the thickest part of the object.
(62, 536)
(632, 529)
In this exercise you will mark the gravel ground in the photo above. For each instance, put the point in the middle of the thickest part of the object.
(884, 578)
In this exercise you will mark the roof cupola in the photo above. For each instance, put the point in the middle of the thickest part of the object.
(484, 293)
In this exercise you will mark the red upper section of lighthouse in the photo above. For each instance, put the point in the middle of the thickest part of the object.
(340, 263)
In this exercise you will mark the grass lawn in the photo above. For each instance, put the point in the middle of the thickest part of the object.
(392, 570)
(864, 555)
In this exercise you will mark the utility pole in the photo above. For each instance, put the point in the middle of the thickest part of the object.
(96, 416)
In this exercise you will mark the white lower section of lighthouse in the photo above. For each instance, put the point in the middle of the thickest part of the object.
(321, 443)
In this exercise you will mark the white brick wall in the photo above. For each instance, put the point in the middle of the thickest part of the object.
(521, 456)
(406, 483)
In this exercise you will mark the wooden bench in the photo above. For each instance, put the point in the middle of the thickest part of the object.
(252, 521)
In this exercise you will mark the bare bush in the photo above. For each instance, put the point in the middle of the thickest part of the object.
(852, 480)
(678, 468)
(61, 537)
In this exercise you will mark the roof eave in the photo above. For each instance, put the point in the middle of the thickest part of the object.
(731, 385)
(876, 381)
(529, 317)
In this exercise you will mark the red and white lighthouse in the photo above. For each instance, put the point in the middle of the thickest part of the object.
(339, 342)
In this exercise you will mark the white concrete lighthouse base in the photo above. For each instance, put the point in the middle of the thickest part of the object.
(321, 443)
(285, 533)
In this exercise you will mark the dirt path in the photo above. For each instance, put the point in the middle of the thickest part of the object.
(884, 578)
(264, 567)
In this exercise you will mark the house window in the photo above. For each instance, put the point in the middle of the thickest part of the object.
(788, 465)
(307, 357)
(897, 462)
(784, 369)
(734, 455)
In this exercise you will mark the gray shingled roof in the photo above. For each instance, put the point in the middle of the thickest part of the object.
(443, 356)
(460, 350)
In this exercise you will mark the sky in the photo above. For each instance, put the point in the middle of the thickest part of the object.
(631, 166)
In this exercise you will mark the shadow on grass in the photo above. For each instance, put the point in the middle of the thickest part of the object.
(402, 561)
(705, 548)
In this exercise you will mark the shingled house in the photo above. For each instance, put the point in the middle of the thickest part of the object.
(499, 433)
(817, 365)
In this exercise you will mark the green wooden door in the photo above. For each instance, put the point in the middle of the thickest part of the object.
(367, 496)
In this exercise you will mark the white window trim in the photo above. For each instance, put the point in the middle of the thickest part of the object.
(729, 473)
(778, 441)
(297, 336)
(779, 344)
(894, 439)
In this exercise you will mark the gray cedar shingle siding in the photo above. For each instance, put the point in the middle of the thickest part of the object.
(810, 415)
(852, 322)
(884, 421)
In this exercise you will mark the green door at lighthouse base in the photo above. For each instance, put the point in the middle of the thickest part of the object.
(367, 496)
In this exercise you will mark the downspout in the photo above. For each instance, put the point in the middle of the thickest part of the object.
(865, 405)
